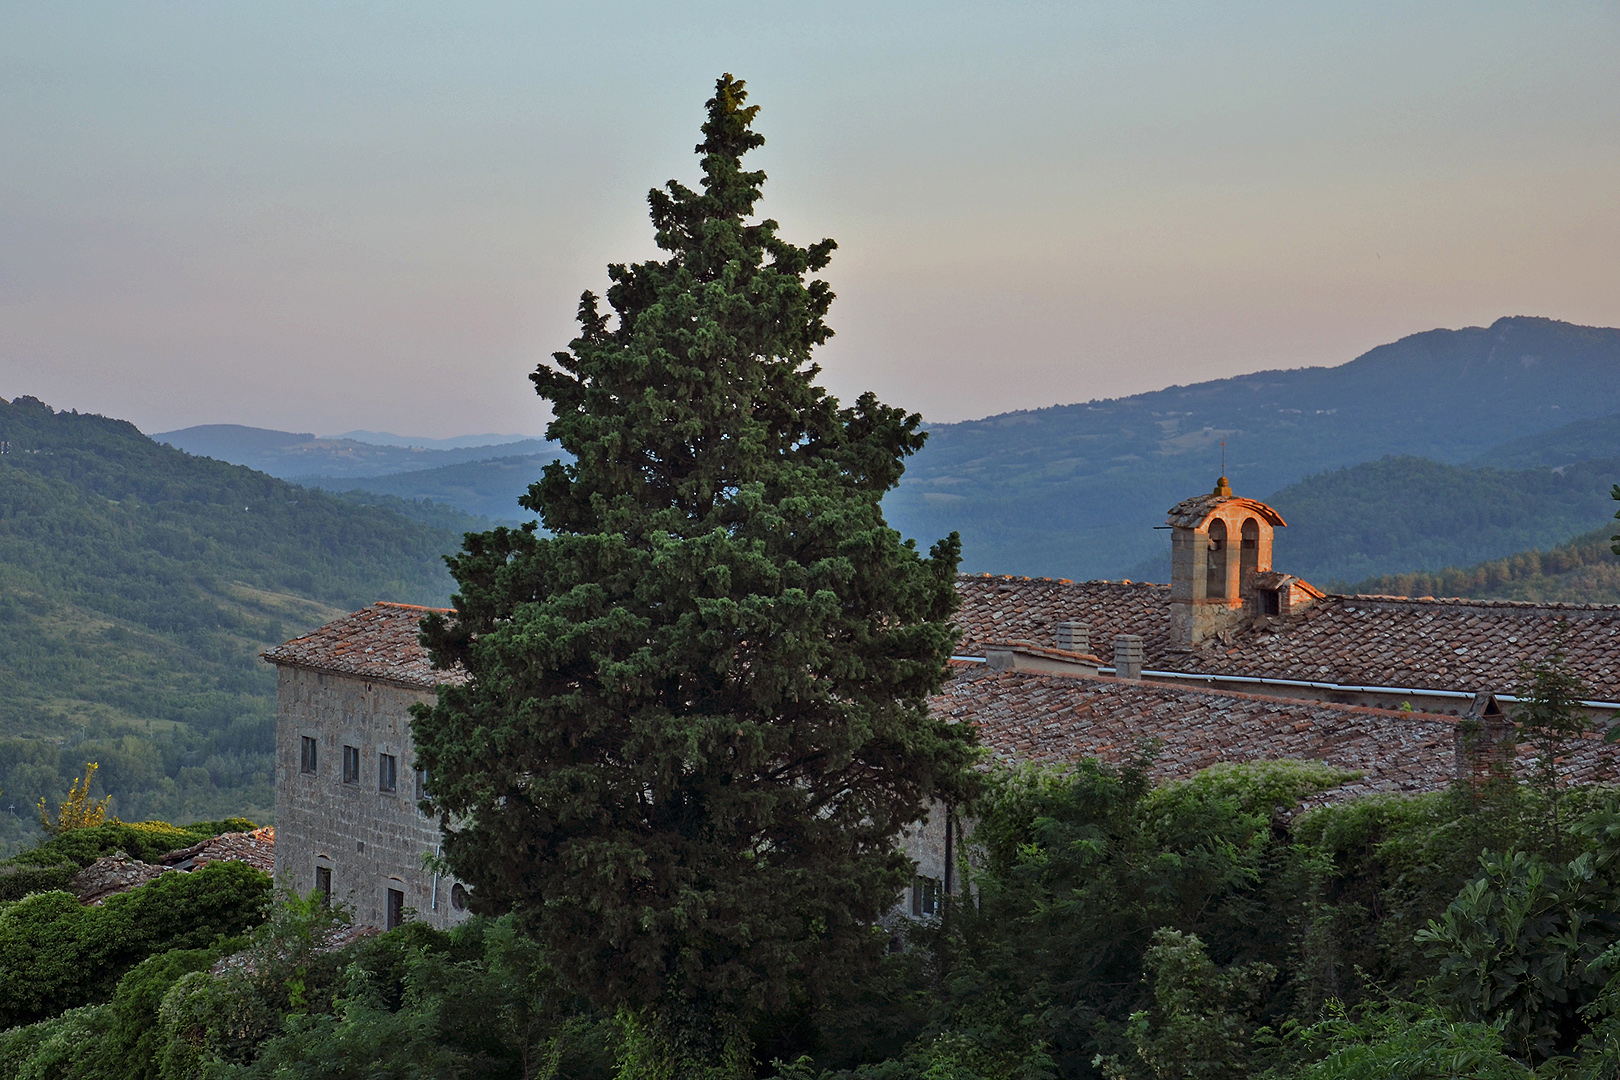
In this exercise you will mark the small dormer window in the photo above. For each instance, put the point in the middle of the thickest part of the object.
(1271, 601)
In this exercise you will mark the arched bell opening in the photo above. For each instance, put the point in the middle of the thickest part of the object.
(1215, 564)
(1249, 551)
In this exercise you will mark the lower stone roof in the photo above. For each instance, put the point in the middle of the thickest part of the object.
(1418, 643)
(1059, 718)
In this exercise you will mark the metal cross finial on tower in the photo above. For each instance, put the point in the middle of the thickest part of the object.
(1223, 457)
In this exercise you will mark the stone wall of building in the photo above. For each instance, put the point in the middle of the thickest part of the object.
(369, 840)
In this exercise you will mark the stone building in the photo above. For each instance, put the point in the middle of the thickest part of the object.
(346, 779)
(1232, 661)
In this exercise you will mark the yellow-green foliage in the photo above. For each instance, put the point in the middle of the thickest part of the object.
(76, 811)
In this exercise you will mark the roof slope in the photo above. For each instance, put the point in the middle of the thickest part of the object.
(1058, 718)
(380, 642)
(1421, 643)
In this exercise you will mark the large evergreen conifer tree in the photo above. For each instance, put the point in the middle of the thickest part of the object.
(696, 716)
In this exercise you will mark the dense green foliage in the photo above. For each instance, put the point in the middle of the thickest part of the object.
(1210, 928)
(56, 954)
(138, 585)
(697, 718)
(479, 1002)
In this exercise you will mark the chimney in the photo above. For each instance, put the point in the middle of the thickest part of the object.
(1128, 656)
(1073, 637)
(1485, 742)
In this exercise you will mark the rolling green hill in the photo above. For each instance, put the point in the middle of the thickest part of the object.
(1075, 491)
(1399, 513)
(138, 585)
(1581, 571)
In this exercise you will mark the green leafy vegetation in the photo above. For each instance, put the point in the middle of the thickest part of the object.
(138, 585)
(56, 954)
(1217, 927)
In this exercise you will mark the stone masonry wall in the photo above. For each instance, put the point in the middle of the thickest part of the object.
(371, 841)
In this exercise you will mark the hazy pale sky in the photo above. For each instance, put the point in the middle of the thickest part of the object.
(381, 215)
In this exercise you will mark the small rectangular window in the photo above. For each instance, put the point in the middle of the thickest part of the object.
(421, 784)
(387, 772)
(351, 764)
(306, 761)
(1270, 602)
(396, 908)
(925, 898)
(323, 883)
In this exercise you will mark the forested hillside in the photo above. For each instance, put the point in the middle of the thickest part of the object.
(1074, 491)
(138, 585)
(1581, 571)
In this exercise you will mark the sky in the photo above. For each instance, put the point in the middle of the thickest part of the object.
(321, 217)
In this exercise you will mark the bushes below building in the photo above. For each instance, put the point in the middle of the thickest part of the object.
(1226, 926)
(57, 954)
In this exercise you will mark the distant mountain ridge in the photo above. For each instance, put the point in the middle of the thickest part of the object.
(455, 442)
(489, 488)
(1075, 490)
(287, 454)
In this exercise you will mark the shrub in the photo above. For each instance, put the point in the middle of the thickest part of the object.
(117, 1040)
(55, 954)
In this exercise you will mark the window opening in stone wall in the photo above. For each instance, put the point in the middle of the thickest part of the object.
(351, 764)
(1270, 602)
(306, 758)
(1249, 551)
(925, 898)
(395, 914)
(421, 784)
(387, 772)
(323, 884)
(1215, 579)
(458, 896)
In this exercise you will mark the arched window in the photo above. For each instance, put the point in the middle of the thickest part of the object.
(1249, 554)
(1215, 585)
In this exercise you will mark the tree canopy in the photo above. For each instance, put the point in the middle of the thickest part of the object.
(696, 719)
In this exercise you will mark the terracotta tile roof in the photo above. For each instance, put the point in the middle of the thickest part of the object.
(1190, 513)
(1422, 643)
(999, 609)
(378, 642)
(1056, 718)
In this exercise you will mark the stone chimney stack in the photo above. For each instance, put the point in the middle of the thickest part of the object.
(1073, 637)
(1485, 742)
(1128, 656)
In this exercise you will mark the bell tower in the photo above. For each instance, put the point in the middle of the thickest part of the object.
(1219, 545)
